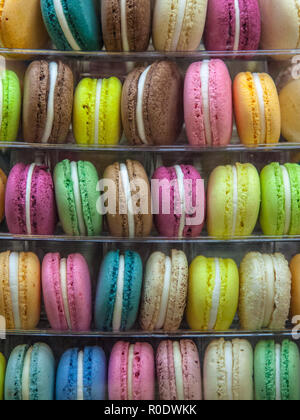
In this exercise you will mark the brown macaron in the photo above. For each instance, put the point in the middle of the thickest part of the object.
(126, 24)
(152, 104)
(129, 203)
(295, 270)
(3, 181)
(48, 102)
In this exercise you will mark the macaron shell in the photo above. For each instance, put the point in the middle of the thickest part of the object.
(165, 371)
(290, 365)
(289, 98)
(214, 374)
(265, 371)
(11, 106)
(117, 372)
(295, 302)
(192, 381)
(42, 373)
(14, 372)
(3, 181)
(66, 376)
(5, 297)
(94, 379)
(243, 385)
(2, 375)
(294, 175)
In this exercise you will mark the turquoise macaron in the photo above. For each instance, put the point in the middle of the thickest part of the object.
(118, 291)
(73, 24)
(30, 374)
(277, 371)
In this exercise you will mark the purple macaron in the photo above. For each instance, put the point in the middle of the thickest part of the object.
(232, 25)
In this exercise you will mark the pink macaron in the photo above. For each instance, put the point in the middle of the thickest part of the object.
(131, 372)
(208, 109)
(178, 197)
(67, 292)
(232, 25)
(178, 370)
(29, 201)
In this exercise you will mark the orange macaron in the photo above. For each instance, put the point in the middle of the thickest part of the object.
(3, 180)
(295, 270)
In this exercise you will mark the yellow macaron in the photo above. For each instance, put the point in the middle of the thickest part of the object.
(2, 375)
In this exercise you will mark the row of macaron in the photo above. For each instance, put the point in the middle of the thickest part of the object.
(232, 371)
(265, 290)
(237, 196)
(151, 106)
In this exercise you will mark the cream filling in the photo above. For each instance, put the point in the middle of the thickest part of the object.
(215, 297)
(26, 376)
(237, 26)
(77, 197)
(1, 100)
(80, 394)
(124, 34)
(204, 76)
(288, 199)
(229, 369)
(261, 102)
(270, 286)
(130, 372)
(64, 290)
(28, 198)
(278, 371)
(14, 287)
(165, 295)
(235, 199)
(53, 69)
(139, 108)
(59, 11)
(127, 192)
(117, 316)
(178, 371)
(97, 110)
(179, 24)
(180, 179)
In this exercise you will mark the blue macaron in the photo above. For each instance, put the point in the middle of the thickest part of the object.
(73, 24)
(118, 291)
(30, 374)
(81, 375)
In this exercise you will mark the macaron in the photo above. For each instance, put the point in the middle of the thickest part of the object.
(29, 200)
(126, 24)
(178, 371)
(164, 291)
(81, 375)
(280, 206)
(20, 290)
(232, 25)
(289, 99)
(73, 24)
(77, 197)
(67, 292)
(3, 181)
(276, 371)
(118, 291)
(97, 111)
(295, 299)
(152, 104)
(10, 111)
(228, 371)
(2, 375)
(213, 294)
(233, 201)
(208, 109)
(178, 26)
(47, 102)
(129, 200)
(131, 372)
(257, 109)
(178, 197)
(265, 291)
(30, 374)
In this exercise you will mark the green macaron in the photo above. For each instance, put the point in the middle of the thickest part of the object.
(276, 371)
(77, 198)
(280, 207)
(2, 375)
(10, 106)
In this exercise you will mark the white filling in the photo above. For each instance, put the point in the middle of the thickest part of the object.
(235, 199)
(180, 179)
(127, 192)
(261, 102)
(97, 110)
(64, 290)
(26, 376)
(229, 369)
(53, 69)
(139, 107)
(178, 371)
(288, 199)
(80, 395)
(59, 11)
(179, 24)
(117, 317)
(270, 286)
(204, 76)
(1, 100)
(237, 26)
(124, 35)
(77, 197)
(130, 372)
(14, 287)
(165, 295)
(216, 297)
(28, 196)
(278, 371)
